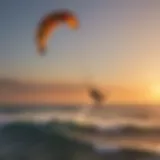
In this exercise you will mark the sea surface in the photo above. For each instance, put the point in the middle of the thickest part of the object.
(114, 131)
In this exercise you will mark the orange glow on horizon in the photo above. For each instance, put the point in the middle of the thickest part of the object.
(113, 94)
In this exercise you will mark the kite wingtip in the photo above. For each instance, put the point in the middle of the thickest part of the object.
(42, 51)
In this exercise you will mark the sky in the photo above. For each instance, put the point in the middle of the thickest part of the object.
(116, 47)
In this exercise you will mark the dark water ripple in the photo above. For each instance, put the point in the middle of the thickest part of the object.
(30, 141)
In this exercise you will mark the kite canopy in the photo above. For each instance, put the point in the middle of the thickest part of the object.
(49, 23)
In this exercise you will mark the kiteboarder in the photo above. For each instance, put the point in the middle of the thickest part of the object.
(96, 95)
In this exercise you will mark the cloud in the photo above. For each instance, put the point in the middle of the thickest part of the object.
(13, 86)
(17, 91)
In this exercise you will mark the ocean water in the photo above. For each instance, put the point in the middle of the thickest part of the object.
(117, 130)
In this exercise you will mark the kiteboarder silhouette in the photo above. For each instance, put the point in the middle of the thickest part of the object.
(96, 95)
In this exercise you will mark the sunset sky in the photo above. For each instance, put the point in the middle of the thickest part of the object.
(116, 47)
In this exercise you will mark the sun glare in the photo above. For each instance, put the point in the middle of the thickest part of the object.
(155, 92)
